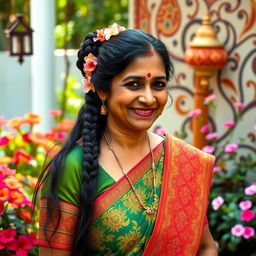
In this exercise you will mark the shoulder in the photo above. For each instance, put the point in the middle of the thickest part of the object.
(188, 150)
(69, 182)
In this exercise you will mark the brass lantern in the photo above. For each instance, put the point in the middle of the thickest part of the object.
(19, 38)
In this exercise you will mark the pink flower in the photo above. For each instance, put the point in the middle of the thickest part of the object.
(87, 85)
(238, 105)
(230, 148)
(60, 136)
(211, 136)
(251, 190)
(7, 171)
(216, 169)
(4, 141)
(248, 232)
(32, 237)
(195, 113)
(161, 131)
(90, 63)
(247, 215)
(237, 230)
(2, 121)
(229, 124)
(7, 235)
(217, 202)
(208, 149)
(209, 98)
(55, 112)
(21, 245)
(205, 128)
(245, 205)
(106, 33)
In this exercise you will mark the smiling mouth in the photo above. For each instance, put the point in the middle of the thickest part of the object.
(144, 112)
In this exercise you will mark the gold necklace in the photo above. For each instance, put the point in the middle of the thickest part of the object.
(150, 210)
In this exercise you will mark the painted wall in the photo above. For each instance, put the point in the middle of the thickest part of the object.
(175, 23)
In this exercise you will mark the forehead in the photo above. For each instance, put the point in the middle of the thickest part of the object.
(141, 66)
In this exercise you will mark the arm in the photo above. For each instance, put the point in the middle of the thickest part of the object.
(207, 245)
(52, 252)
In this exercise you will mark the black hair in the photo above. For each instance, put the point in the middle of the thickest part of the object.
(113, 56)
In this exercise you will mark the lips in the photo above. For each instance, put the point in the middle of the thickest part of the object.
(144, 112)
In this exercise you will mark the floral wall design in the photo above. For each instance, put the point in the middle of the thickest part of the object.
(175, 23)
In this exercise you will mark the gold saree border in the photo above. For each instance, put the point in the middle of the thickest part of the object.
(183, 202)
(63, 237)
(110, 196)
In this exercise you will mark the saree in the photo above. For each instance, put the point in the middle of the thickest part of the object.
(120, 226)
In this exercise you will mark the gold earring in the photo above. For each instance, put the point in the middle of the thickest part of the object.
(103, 109)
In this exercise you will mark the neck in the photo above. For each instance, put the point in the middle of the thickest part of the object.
(126, 140)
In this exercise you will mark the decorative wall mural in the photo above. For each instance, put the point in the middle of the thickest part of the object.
(175, 23)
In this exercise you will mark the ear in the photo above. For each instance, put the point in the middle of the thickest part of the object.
(102, 95)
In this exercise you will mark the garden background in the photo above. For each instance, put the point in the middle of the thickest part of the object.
(49, 80)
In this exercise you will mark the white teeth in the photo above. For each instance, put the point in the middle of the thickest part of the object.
(143, 111)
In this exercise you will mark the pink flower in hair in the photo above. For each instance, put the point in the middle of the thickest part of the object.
(87, 85)
(90, 63)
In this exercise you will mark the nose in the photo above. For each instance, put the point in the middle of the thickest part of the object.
(147, 97)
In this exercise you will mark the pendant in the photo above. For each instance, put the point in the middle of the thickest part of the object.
(150, 211)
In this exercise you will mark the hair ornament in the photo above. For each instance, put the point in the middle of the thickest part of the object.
(91, 61)
(89, 66)
(106, 33)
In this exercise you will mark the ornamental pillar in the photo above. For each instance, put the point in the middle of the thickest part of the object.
(205, 55)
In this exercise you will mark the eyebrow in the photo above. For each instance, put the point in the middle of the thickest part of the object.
(143, 78)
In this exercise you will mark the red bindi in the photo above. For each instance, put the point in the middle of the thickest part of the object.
(148, 75)
(150, 53)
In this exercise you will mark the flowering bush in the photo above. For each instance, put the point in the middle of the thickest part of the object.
(22, 155)
(232, 200)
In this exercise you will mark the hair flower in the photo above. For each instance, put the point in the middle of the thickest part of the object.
(87, 85)
(106, 33)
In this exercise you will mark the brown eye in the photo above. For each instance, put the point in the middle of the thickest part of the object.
(158, 85)
(133, 85)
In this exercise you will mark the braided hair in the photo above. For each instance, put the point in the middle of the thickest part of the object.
(113, 56)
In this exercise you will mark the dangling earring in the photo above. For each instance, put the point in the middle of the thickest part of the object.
(103, 109)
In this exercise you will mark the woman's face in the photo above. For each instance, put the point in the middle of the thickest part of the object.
(138, 94)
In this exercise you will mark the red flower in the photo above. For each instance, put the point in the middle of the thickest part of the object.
(20, 156)
(32, 119)
(32, 237)
(21, 245)
(26, 215)
(7, 235)
(1, 210)
(4, 194)
(17, 198)
(26, 137)
(247, 215)
(4, 140)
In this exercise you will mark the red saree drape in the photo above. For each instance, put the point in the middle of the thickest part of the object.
(183, 203)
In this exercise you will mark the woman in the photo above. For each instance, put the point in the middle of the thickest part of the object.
(115, 188)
